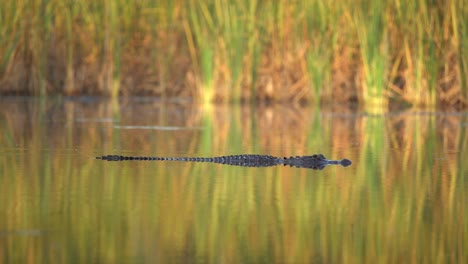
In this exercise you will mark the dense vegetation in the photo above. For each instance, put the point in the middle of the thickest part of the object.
(370, 51)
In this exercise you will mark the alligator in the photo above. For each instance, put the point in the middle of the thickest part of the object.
(316, 161)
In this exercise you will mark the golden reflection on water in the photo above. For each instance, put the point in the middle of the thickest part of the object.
(402, 200)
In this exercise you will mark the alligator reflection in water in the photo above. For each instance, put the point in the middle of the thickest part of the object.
(316, 161)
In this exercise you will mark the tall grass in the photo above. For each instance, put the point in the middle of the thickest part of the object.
(224, 33)
(372, 52)
(371, 33)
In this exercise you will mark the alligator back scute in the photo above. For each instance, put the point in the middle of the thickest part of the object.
(316, 162)
(247, 160)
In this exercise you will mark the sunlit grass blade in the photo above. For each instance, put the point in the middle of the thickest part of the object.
(374, 51)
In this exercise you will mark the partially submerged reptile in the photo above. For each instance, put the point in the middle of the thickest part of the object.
(316, 161)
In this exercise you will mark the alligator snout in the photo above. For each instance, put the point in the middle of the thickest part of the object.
(345, 162)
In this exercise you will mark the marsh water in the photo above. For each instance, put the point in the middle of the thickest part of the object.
(403, 200)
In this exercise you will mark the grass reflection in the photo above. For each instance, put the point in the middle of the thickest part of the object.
(402, 200)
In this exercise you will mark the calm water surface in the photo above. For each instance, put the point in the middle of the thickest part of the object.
(403, 200)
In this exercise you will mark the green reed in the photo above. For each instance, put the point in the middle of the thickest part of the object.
(416, 29)
(203, 32)
(460, 10)
(224, 33)
(323, 23)
(223, 49)
(372, 36)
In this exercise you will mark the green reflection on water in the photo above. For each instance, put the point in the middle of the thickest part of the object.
(402, 200)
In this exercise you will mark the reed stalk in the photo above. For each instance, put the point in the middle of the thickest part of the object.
(319, 57)
(202, 30)
(372, 36)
